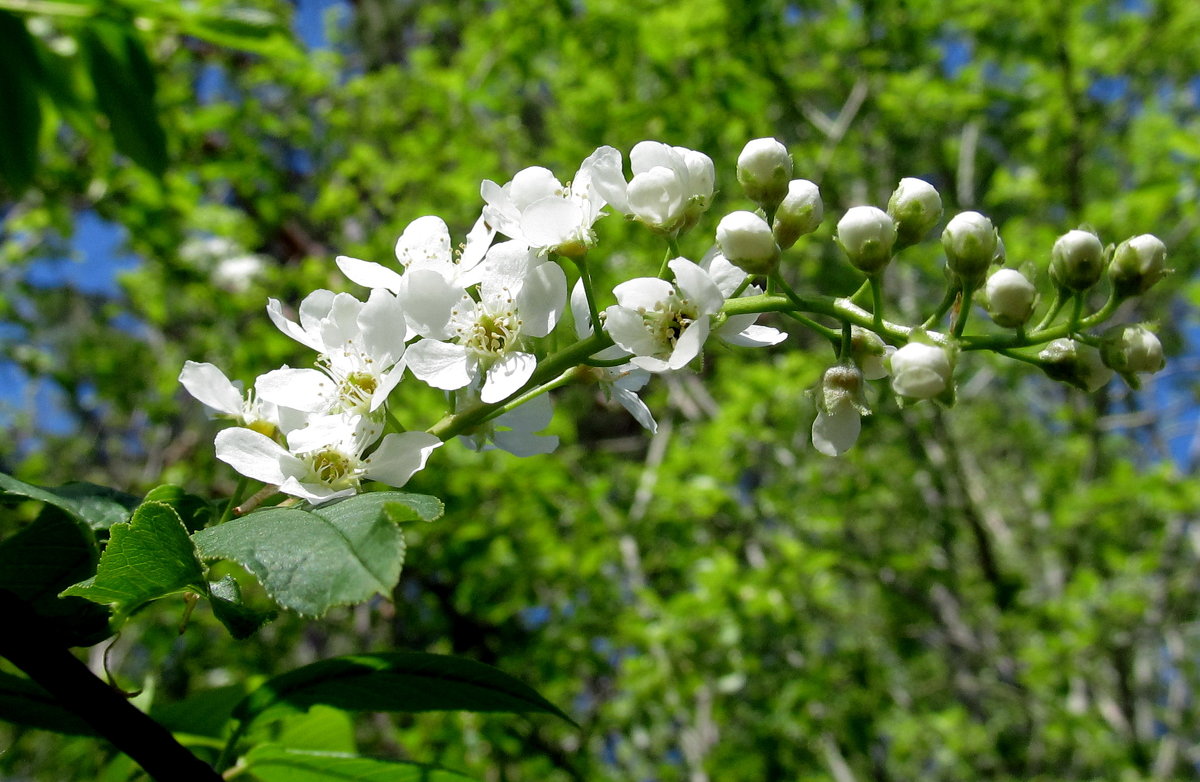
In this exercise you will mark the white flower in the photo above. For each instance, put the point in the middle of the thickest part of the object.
(800, 212)
(433, 280)
(209, 385)
(1137, 264)
(920, 371)
(916, 207)
(840, 407)
(517, 430)
(621, 382)
(971, 243)
(867, 235)
(671, 186)
(361, 349)
(324, 460)
(1077, 260)
(545, 214)
(520, 296)
(738, 330)
(763, 170)
(747, 242)
(1010, 297)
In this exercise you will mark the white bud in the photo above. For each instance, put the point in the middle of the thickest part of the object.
(1137, 264)
(747, 242)
(916, 207)
(763, 170)
(971, 243)
(1131, 350)
(799, 213)
(1077, 260)
(867, 235)
(920, 371)
(1010, 297)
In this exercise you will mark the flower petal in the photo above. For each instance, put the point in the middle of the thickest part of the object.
(306, 390)
(368, 274)
(257, 456)
(440, 364)
(399, 456)
(210, 386)
(506, 376)
(835, 433)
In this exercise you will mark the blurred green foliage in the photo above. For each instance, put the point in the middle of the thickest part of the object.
(1004, 591)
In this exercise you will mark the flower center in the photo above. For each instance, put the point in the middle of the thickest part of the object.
(669, 319)
(492, 334)
(332, 468)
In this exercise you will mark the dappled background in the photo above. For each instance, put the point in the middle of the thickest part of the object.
(1007, 590)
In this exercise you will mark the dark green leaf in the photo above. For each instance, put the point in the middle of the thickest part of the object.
(124, 80)
(150, 557)
(310, 561)
(98, 506)
(18, 95)
(203, 713)
(195, 512)
(24, 703)
(396, 681)
(240, 620)
(322, 728)
(47, 556)
(271, 763)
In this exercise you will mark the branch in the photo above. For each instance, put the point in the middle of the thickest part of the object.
(32, 648)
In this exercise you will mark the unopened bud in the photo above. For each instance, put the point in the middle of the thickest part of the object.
(971, 244)
(916, 207)
(1137, 264)
(1131, 350)
(1010, 298)
(920, 371)
(1075, 363)
(869, 351)
(747, 242)
(840, 385)
(1077, 260)
(800, 212)
(867, 235)
(763, 170)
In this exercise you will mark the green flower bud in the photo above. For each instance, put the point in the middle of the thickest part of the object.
(867, 236)
(800, 212)
(916, 207)
(971, 244)
(1075, 363)
(1010, 298)
(747, 242)
(1137, 264)
(1131, 350)
(763, 171)
(1077, 260)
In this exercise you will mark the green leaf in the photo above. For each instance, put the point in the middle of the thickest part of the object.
(150, 557)
(272, 763)
(124, 80)
(394, 681)
(240, 620)
(195, 512)
(322, 728)
(47, 556)
(24, 703)
(203, 713)
(18, 95)
(247, 29)
(98, 506)
(310, 561)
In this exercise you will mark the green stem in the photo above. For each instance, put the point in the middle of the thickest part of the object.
(391, 419)
(1076, 313)
(860, 295)
(585, 276)
(234, 499)
(551, 367)
(964, 310)
(876, 283)
(229, 751)
(664, 271)
(942, 308)
(833, 335)
(44, 8)
(566, 378)
(1055, 306)
(847, 345)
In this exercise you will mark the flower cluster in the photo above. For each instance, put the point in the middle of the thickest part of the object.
(474, 323)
